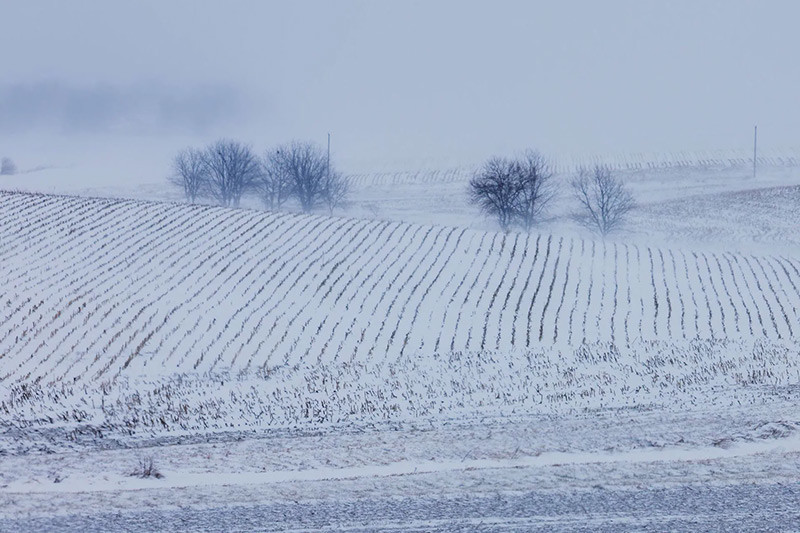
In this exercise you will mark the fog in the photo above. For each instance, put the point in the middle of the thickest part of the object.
(146, 109)
(397, 84)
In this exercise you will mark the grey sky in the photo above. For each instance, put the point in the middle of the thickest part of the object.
(403, 82)
(146, 109)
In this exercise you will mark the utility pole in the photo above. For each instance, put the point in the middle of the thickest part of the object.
(755, 150)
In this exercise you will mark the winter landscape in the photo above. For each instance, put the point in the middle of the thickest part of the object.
(254, 333)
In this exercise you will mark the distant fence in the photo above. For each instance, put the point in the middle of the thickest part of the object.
(622, 162)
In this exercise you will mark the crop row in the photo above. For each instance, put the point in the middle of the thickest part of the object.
(138, 288)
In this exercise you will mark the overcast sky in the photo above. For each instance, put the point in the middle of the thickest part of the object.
(401, 83)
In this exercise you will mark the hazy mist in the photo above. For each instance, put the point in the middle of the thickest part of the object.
(143, 109)
(398, 84)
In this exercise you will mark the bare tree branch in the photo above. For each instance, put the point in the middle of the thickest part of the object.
(305, 166)
(274, 185)
(337, 189)
(232, 171)
(189, 173)
(514, 191)
(535, 189)
(494, 189)
(604, 200)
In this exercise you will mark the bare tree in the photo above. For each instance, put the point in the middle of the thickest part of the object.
(514, 191)
(337, 189)
(495, 190)
(313, 181)
(306, 167)
(604, 200)
(232, 171)
(274, 184)
(7, 167)
(189, 172)
(535, 190)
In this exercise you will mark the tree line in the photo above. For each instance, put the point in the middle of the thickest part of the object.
(227, 170)
(517, 191)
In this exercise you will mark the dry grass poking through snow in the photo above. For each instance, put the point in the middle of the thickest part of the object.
(139, 314)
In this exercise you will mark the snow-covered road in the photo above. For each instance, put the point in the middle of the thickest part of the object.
(756, 507)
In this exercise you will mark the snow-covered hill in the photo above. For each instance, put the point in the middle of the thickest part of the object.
(95, 289)
(197, 315)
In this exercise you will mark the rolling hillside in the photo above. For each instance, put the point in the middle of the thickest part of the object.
(94, 289)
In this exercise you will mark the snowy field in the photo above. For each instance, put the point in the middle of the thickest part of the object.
(402, 366)
(685, 199)
(714, 469)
